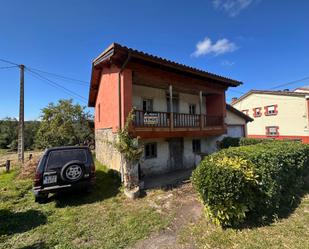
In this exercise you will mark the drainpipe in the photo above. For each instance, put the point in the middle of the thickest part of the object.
(119, 86)
(120, 109)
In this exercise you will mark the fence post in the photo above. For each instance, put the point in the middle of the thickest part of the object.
(7, 166)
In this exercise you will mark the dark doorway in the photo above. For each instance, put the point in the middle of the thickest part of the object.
(176, 153)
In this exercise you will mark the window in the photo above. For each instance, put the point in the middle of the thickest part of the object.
(245, 112)
(57, 159)
(196, 145)
(271, 110)
(192, 109)
(257, 112)
(272, 131)
(147, 105)
(150, 150)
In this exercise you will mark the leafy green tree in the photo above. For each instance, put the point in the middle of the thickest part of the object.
(64, 124)
(8, 132)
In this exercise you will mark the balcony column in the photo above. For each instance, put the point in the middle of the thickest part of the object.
(171, 108)
(201, 115)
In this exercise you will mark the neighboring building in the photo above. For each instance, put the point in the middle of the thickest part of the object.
(236, 122)
(179, 110)
(277, 114)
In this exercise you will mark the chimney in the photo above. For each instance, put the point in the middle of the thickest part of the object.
(234, 99)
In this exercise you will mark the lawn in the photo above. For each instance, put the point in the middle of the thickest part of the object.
(107, 219)
(103, 219)
(290, 232)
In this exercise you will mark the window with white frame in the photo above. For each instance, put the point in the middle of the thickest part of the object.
(272, 131)
(271, 110)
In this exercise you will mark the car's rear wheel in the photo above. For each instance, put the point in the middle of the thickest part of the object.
(41, 198)
(73, 171)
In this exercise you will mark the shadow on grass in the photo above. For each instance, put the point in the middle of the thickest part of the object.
(11, 223)
(37, 245)
(284, 212)
(107, 185)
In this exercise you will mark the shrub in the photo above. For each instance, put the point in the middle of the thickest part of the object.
(251, 141)
(251, 181)
(227, 142)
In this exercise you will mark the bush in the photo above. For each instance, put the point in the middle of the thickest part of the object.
(227, 142)
(251, 181)
(251, 141)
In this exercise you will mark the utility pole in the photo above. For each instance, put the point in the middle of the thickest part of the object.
(21, 117)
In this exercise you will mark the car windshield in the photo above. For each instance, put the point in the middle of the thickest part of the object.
(59, 158)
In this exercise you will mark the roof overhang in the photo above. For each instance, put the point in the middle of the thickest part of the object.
(117, 54)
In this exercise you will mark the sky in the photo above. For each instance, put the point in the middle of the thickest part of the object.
(263, 43)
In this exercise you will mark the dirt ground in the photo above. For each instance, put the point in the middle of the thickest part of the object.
(187, 210)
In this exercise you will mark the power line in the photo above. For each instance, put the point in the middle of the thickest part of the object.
(289, 83)
(7, 67)
(59, 76)
(56, 85)
(10, 62)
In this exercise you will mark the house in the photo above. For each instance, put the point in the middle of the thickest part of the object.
(179, 111)
(236, 126)
(277, 114)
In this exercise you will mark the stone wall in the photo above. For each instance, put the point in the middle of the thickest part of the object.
(105, 150)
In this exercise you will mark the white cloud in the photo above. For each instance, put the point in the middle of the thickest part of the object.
(221, 46)
(232, 7)
(227, 63)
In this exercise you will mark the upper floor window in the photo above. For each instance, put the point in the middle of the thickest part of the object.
(246, 111)
(196, 145)
(150, 150)
(147, 105)
(192, 109)
(271, 110)
(272, 131)
(257, 112)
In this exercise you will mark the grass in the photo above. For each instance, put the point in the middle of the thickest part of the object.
(103, 219)
(291, 232)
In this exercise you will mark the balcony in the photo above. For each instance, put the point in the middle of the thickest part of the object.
(147, 124)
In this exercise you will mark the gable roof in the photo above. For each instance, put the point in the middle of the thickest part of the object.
(239, 113)
(118, 53)
(283, 93)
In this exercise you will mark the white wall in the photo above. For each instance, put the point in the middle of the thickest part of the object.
(292, 114)
(159, 99)
(159, 164)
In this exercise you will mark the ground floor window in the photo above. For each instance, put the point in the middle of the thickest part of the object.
(196, 145)
(150, 150)
(272, 131)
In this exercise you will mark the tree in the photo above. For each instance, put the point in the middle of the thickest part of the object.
(64, 124)
(8, 133)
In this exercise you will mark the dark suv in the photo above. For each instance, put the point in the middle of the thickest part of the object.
(63, 168)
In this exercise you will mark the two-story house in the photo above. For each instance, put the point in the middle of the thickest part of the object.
(277, 114)
(179, 110)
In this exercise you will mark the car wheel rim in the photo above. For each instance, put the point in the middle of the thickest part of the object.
(74, 172)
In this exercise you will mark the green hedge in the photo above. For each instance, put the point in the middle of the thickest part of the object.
(227, 142)
(251, 181)
(251, 141)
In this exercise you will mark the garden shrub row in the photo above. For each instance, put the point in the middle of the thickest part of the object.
(251, 182)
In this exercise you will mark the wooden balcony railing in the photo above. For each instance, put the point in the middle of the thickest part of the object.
(186, 120)
(180, 120)
(210, 121)
(151, 119)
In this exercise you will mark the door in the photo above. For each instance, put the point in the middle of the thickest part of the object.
(176, 153)
(235, 131)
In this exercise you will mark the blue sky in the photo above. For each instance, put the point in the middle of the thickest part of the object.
(262, 43)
